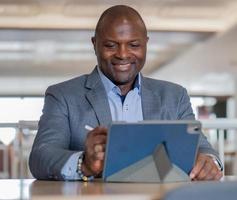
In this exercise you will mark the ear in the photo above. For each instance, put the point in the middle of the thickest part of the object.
(147, 38)
(93, 40)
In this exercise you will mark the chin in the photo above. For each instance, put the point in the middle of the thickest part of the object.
(123, 81)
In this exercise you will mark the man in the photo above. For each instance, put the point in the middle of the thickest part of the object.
(63, 149)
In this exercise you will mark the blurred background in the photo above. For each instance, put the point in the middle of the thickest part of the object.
(43, 42)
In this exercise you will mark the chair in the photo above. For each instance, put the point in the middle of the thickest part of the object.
(205, 191)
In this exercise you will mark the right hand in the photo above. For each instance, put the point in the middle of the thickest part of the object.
(94, 151)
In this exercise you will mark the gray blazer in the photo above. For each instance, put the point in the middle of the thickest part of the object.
(71, 105)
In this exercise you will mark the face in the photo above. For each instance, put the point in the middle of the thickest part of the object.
(120, 48)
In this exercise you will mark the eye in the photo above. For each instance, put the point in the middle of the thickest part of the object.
(110, 45)
(135, 44)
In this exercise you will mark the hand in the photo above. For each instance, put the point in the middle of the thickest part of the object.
(94, 151)
(205, 169)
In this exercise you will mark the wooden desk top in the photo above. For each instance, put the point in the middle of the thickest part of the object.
(51, 190)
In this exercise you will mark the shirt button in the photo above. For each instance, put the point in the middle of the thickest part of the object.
(126, 107)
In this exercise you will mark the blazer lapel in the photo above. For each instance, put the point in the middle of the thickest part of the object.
(151, 102)
(97, 97)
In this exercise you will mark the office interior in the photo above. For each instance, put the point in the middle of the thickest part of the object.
(191, 42)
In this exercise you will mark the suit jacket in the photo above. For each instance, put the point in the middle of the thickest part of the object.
(71, 105)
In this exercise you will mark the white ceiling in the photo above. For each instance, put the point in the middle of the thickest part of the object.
(209, 68)
(46, 41)
(184, 15)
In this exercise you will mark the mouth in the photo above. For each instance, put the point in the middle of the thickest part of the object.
(122, 67)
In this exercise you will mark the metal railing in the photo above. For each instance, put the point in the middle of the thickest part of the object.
(219, 126)
(16, 150)
(5, 151)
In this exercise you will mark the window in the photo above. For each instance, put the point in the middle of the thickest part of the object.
(13, 109)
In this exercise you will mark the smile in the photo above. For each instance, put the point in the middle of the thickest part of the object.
(122, 67)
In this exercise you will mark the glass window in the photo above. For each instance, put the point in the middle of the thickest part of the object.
(13, 109)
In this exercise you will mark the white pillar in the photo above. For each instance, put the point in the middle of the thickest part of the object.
(232, 113)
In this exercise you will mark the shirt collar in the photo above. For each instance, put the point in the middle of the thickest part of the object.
(110, 86)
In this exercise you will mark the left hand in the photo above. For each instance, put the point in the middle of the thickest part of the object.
(205, 169)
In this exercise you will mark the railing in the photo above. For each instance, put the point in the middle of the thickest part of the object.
(24, 128)
(5, 151)
(17, 151)
(220, 126)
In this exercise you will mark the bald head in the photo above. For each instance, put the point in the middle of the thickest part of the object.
(119, 14)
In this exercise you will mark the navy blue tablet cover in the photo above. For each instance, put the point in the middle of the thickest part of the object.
(127, 143)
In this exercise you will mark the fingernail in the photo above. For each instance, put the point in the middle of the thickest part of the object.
(192, 175)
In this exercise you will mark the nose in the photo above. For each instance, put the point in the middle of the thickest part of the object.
(122, 52)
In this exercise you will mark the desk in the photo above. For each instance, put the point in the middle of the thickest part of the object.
(51, 190)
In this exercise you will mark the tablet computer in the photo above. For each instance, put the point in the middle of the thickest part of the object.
(129, 143)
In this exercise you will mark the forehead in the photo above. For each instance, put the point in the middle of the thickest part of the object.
(123, 28)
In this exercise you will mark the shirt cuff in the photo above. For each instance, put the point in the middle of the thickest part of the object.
(69, 170)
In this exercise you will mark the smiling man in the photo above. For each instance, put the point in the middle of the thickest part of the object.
(115, 91)
(120, 45)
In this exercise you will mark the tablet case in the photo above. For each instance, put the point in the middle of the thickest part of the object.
(151, 151)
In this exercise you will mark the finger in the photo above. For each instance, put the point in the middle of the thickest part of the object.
(92, 141)
(98, 131)
(93, 153)
(99, 139)
(209, 171)
(214, 173)
(94, 163)
(218, 176)
(91, 167)
(205, 172)
(95, 132)
(99, 148)
(97, 166)
(99, 156)
(198, 166)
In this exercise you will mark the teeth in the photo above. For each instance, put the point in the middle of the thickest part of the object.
(123, 67)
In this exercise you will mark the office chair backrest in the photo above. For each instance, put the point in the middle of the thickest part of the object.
(205, 191)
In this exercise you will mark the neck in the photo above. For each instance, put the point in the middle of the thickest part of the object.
(125, 88)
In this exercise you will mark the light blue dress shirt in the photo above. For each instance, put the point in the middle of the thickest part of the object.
(127, 109)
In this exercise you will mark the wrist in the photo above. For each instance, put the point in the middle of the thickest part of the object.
(216, 161)
(85, 170)
(84, 173)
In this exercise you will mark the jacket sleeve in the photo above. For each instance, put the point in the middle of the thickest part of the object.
(185, 112)
(50, 150)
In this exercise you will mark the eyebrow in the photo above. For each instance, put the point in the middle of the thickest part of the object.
(133, 40)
